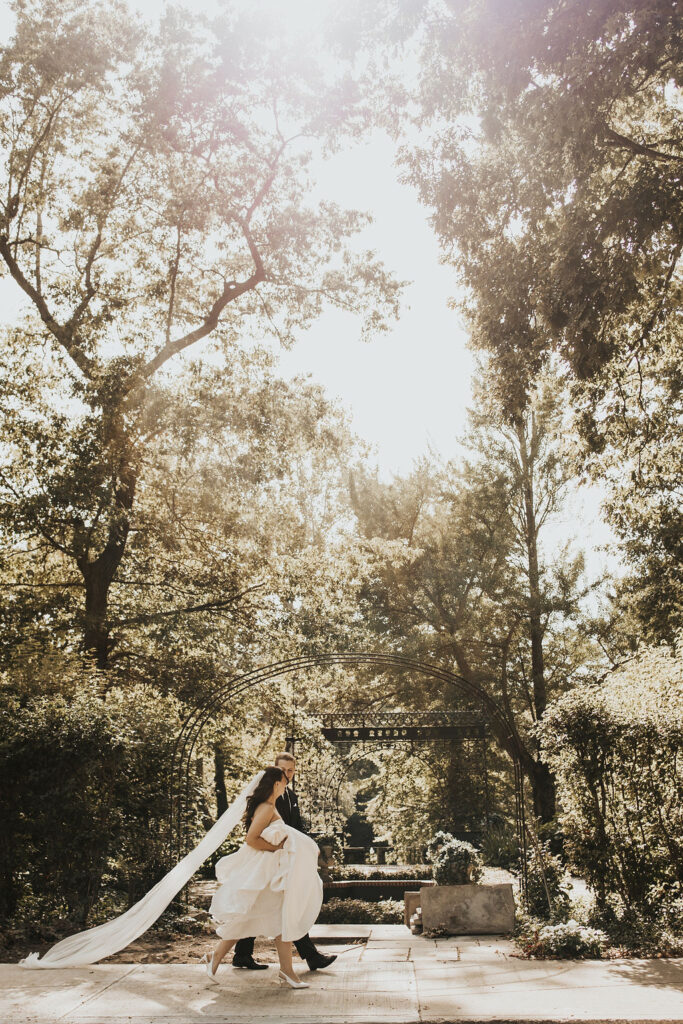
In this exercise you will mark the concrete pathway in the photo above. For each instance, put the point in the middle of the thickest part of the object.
(392, 977)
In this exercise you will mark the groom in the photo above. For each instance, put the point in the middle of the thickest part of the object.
(288, 809)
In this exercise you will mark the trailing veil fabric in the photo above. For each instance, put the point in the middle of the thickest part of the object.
(96, 943)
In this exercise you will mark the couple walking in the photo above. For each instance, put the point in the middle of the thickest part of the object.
(271, 887)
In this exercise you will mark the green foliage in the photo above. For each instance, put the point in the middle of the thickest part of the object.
(500, 846)
(456, 863)
(458, 573)
(615, 748)
(346, 873)
(559, 200)
(547, 887)
(566, 941)
(162, 196)
(414, 793)
(637, 934)
(340, 911)
(435, 844)
(549, 156)
(84, 797)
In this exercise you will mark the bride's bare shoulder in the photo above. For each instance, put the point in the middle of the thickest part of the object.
(264, 812)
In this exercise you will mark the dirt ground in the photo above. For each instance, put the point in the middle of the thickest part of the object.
(182, 949)
(152, 948)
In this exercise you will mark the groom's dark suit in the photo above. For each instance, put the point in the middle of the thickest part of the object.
(288, 808)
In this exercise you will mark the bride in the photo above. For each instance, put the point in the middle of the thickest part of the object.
(270, 887)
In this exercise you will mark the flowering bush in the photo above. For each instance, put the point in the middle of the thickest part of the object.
(562, 941)
(457, 863)
(438, 840)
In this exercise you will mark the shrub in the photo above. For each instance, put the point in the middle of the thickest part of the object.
(350, 872)
(500, 848)
(543, 865)
(615, 752)
(637, 934)
(562, 941)
(340, 911)
(457, 863)
(438, 840)
(331, 840)
(91, 771)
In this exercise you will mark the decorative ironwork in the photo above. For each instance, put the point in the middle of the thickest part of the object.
(224, 693)
(396, 726)
(393, 718)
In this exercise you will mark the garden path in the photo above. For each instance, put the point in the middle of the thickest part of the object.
(391, 977)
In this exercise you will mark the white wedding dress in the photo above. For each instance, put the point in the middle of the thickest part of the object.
(287, 906)
(269, 893)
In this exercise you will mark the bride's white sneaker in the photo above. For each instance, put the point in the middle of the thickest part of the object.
(286, 980)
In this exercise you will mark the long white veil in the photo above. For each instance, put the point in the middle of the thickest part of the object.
(96, 943)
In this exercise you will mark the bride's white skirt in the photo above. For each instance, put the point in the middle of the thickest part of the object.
(265, 893)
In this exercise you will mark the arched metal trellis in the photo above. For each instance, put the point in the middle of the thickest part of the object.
(356, 734)
(225, 692)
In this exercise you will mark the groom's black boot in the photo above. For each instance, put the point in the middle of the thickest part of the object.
(319, 961)
(314, 958)
(244, 956)
(249, 963)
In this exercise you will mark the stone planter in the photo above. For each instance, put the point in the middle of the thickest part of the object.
(468, 909)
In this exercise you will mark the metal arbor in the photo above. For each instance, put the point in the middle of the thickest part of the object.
(191, 729)
(355, 734)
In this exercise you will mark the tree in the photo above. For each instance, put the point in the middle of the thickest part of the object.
(549, 154)
(616, 751)
(461, 575)
(236, 557)
(155, 194)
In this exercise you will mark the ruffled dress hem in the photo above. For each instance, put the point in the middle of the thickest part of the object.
(269, 893)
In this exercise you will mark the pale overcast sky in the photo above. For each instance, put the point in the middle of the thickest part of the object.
(408, 390)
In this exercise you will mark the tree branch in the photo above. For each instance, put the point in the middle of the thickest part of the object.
(84, 363)
(616, 139)
(231, 291)
(75, 317)
(206, 607)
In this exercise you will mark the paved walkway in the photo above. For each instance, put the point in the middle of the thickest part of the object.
(391, 978)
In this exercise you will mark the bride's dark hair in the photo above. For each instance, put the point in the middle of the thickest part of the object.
(271, 775)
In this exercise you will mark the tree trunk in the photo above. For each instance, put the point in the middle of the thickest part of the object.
(219, 781)
(95, 629)
(527, 455)
(543, 789)
(99, 573)
(542, 780)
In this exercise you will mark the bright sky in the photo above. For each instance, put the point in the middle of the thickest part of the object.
(409, 390)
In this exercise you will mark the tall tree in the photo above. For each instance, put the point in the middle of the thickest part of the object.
(155, 193)
(550, 154)
(241, 480)
(462, 575)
